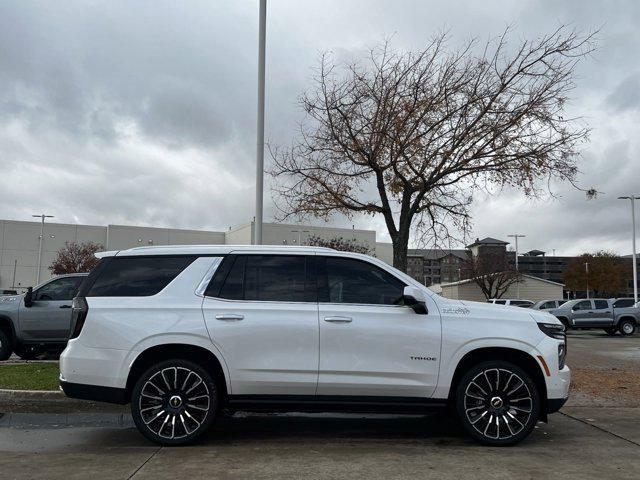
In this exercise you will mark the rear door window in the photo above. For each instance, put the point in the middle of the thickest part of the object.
(601, 304)
(269, 278)
(137, 276)
(624, 303)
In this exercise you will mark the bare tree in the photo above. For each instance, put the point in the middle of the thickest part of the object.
(412, 135)
(492, 273)
(339, 243)
(75, 258)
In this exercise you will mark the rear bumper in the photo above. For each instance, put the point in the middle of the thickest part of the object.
(96, 393)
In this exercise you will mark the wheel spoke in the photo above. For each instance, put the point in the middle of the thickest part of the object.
(479, 388)
(166, 382)
(155, 417)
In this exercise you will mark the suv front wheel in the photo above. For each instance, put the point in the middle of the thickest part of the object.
(174, 402)
(497, 403)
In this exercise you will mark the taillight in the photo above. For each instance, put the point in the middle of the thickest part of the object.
(79, 310)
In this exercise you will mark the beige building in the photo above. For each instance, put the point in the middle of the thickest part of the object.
(531, 288)
(20, 242)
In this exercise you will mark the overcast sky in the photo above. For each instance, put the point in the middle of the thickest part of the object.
(143, 112)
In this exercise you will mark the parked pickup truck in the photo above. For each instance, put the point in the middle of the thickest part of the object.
(612, 315)
(40, 319)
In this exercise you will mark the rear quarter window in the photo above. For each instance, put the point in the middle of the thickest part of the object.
(137, 276)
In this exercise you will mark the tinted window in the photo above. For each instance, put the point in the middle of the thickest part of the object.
(501, 302)
(583, 305)
(137, 277)
(548, 305)
(345, 280)
(521, 303)
(60, 289)
(274, 278)
(601, 304)
(624, 303)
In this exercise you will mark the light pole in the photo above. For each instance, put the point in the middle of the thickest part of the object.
(262, 31)
(586, 269)
(517, 236)
(633, 199)
(42, 216)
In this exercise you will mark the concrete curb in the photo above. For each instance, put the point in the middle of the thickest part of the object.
(47, 400)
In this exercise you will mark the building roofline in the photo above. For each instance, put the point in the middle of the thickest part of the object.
(468, 280)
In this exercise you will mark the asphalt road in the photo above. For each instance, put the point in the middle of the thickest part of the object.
(581, 442)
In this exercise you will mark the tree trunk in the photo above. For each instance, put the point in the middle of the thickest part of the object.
(400, 249)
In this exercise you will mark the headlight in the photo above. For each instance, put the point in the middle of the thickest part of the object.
(553, 330)
(556, 331)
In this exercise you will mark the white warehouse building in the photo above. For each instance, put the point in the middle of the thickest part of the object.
(20, 242)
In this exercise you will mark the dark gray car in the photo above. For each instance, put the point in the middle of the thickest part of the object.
(608, 314)
(38, 320)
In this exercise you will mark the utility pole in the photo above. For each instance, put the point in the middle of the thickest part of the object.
(517, 236)
(262, 31)
(633, 199)
(586, 269)
(42, 217)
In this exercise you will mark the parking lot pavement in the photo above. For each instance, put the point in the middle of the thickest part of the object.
(597, 435)
(583, 445)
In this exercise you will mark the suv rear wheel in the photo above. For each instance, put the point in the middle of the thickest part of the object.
(174, 402)
(5, 346)
(498, 403)
(627, 326)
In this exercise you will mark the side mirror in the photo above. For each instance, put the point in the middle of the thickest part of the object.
(28, 298)
(416, 299)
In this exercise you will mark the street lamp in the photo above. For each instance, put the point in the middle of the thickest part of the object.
(262, 29)
(633, 199)
(517, 236)
(42, 217)
(586, 269)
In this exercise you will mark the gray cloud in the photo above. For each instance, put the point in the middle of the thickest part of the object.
(144, 112)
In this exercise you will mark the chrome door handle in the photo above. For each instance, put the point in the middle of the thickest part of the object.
(229, 316)
(338, 319)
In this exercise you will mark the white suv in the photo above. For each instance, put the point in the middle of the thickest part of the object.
(183, 332)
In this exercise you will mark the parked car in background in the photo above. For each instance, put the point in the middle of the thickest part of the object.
(547, 304)
(598, 313)
(183, 332)
(511, 302)
(39, 320)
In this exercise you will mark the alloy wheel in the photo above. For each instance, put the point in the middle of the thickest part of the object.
(498, 403)
(174, 402)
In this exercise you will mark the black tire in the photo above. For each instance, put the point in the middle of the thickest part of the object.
(611, 331)
(27, 354)
(627, 327)
(565, 322)
(180, 408)
(501, 390)
(6, 346)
